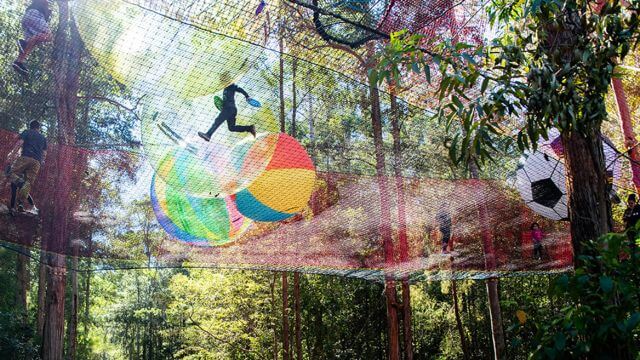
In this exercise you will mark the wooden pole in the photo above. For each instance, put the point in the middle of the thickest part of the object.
(296, 295)
(463, 340)
(285, 318)
(495, 312)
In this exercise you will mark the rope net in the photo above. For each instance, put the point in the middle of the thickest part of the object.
(314, 199)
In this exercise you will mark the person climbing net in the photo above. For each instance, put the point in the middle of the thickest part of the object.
(24, 170)
(35, 26)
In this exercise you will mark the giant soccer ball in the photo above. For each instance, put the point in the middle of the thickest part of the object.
(540, 180)
(613, 163)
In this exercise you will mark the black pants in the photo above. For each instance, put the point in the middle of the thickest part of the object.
(228, 115)
(446, 236)
(537, 251)
(14, 192)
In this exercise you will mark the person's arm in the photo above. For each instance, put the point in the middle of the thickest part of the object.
(44, 151)
(241, 91)
(18, 145)
(16, 149)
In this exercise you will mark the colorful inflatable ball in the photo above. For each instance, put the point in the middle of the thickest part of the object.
(197, 221)
(285, 186)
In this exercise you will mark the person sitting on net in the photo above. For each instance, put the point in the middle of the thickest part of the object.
(35, 25)
(25, 169)
(229, 113)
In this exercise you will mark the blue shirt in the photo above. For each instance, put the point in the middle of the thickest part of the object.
(34, 144)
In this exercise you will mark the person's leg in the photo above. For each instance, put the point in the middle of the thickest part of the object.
(446, 235)
(31, 43)
(231, 123)
(30, 173)
(36, 31)
(222, 117)
(14, 192)
(18, 168)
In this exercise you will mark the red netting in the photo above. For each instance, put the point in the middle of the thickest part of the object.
(327, 198)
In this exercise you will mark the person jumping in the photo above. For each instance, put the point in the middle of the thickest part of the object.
(25, 169)
(229, 113)
(35, 25)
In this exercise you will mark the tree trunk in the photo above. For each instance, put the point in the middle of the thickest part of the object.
(318, 321)
(285, 317)
(495, 312)
(385, 224)
(589, 205)
(273, 307)
(53, 336)
(87, 292)
(66, 69)
(626, 125)
(463, 340)
(42, 291)
(294, 107)
(23, 282)
(402, 225)
(73, 321)
(312, 130)
(281, 85)
(296, 295)
(393, 331)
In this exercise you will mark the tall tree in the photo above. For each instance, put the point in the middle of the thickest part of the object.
(66, 69)
(385, 223)
(403, 247)
(550, 68)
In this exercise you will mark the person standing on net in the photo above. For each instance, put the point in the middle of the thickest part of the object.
(229, 113)
(25, 169)
(536, 237)
(444, 224)
(631, 216)
(35, 25)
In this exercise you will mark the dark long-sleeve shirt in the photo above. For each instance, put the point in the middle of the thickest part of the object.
(631, 216)
(229, 94)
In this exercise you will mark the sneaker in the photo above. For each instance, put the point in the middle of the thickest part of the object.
(20, 68)
(253, 131)
(33, 211)
(21, 45)
(21, 208)
(204, 136)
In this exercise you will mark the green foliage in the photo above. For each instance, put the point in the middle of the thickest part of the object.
(16, 340)
(602, 316)
(553, 58)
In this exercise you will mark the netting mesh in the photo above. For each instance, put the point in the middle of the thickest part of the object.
(308, 201)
